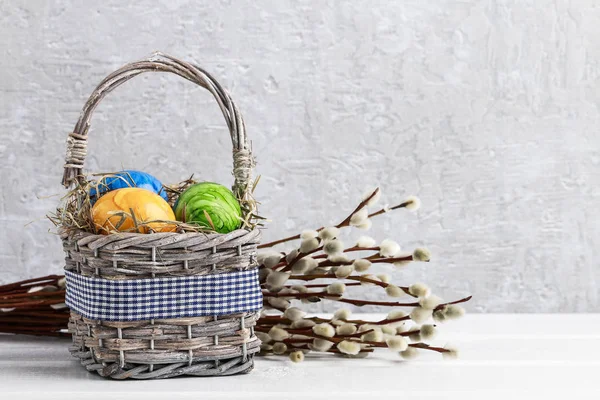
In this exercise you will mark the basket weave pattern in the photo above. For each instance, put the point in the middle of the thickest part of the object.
(196, 345)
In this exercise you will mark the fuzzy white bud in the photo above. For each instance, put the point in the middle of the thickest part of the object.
(415, 335)
(365, 242)
(401, 264)
(329, 233)
(349, 347)
(453, 311)
(321, 270)
(297, 356)
(263, 337)
(420, 315)
(304, 264)
(62, 282)
(261, 257)
(291, 255)
(321, 344)
(339, 258)
(344, 271)
(376, 335)
(272, 260)
(367, 327)
(279, 348)
(266, 348)
(359, 217)
(412, 203)
(401, 327)
(388, 330)
(309, 234)
(303, 323)
(451, 353)
(374, 194)
(419, 290)
(421, 254)
(324, 329)
(396, 343)
(430, 302)
(277, 279)
(299, 268)
(342, 313)
(336, 288)
(279, 303)
(428, 332)
(385, 278)
(389, 248)
(394, 291)
(409, 353)
(300, 288)
(308, 245)
(361, 265)
(278, 334)
(346, 329)
(294, 314)
(263, 273)
(333, 247)
(439, 316)
(365, 226)
(396, 314)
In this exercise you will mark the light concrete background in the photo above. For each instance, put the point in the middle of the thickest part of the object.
(487, 110)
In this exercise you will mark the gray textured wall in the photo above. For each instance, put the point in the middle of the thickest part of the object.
(487, 110)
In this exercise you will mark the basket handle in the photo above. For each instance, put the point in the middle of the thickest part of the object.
(243, 161)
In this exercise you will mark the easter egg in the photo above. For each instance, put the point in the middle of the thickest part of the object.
(127, 179)
(213, 199)
(112, 212)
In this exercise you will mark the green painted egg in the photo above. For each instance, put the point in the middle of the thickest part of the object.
(218, 202)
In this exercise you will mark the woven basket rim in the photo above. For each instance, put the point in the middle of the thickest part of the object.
(73, 232)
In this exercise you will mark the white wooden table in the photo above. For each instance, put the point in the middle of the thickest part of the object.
(522, 356)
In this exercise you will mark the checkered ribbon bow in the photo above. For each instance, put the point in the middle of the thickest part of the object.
(163, 298)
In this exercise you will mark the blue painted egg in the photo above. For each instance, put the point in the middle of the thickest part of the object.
(126, 179)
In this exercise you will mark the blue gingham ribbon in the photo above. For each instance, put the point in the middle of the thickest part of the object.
(162, 298)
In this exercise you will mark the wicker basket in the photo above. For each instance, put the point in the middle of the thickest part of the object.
(197, 345)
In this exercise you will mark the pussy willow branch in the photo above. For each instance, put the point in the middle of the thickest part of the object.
(28, 283)
(310, 333)
(356, 302)
(341, 338)
(339, 298)
(328, 263)
(299, 256)
(384, 210)
(359, 278)
(277, 319)
(332, 350)
(345, 222)
(30, 313)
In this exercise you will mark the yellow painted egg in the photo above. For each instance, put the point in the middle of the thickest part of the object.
(113, 212)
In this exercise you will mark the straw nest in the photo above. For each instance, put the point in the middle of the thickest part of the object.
(74, 214)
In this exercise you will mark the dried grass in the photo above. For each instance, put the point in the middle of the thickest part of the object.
(74, 214)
